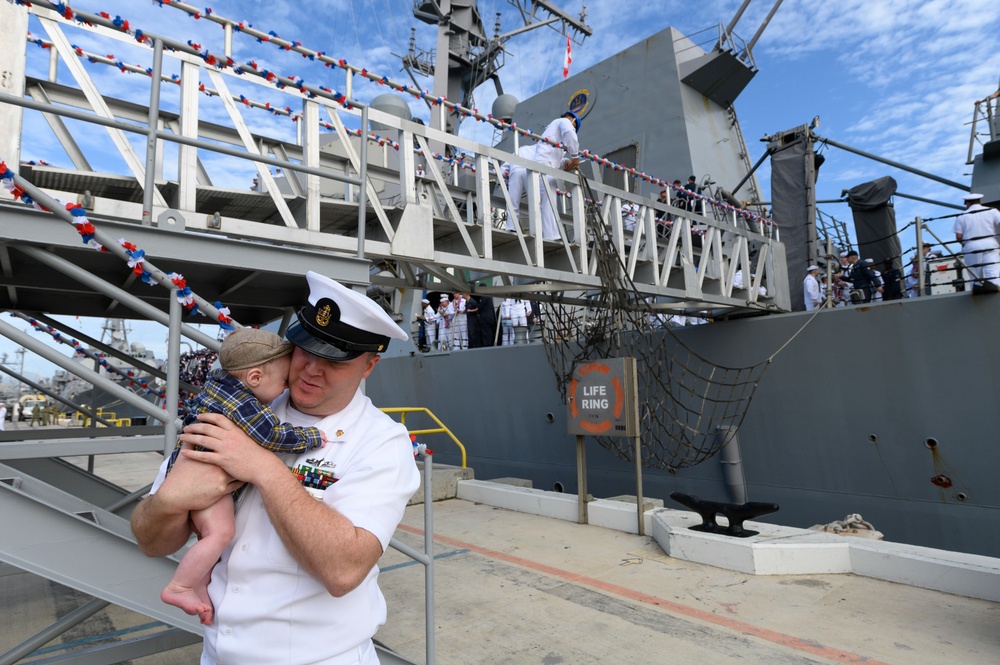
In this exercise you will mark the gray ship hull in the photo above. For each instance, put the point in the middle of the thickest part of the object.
(889, 411)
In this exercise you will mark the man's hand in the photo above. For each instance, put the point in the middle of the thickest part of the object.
(229, 447)
(192, 485)
(571, 164)
(160, 522)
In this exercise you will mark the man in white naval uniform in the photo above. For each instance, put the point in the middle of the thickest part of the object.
(298, 583)
(810, 287)
(517, 177)
(446, 312)
(429, 318)
(460, 324)
(562, 139)
(977, 230)
(629, 212)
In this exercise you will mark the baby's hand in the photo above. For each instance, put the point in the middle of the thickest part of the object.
(322, 435)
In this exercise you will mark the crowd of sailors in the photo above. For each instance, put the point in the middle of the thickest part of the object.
(857, 280)
(863, 280)
(454, 322)
(461, 321)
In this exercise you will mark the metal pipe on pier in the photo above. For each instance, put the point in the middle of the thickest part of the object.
(732, 465)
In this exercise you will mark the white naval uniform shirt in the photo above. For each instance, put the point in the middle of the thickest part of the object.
(979, 227)
(559, 131)
(268, 611)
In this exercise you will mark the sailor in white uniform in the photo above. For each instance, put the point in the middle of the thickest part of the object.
(431, 318)
(977, 230)
(513, 314)
(629, 212)
(460, 326)
(562, 152)
(446, 313)
(810, 289)
(298, 584)
(517, 178)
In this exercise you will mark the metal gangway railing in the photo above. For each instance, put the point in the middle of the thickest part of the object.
(422, 201)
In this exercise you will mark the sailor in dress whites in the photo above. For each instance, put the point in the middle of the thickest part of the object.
(517, 178)
(810, 288)
(446, 314)
(430, 318)
(460, 326)
(977, 230)
(562, 151)
(298, 584)
(629, 212)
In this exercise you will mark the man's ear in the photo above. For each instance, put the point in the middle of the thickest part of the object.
(254, 376)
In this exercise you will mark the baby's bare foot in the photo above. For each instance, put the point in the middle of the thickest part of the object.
(189, 601)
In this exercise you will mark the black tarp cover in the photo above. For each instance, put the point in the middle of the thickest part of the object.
(875, 221)
(793, 207)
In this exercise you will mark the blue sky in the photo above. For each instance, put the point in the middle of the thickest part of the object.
(897, 78)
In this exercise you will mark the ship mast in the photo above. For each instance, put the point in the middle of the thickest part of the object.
(471, 58)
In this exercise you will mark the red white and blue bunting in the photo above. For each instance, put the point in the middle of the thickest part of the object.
(140, 386)
(134, 256)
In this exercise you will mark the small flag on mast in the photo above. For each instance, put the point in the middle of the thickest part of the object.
(568, 58)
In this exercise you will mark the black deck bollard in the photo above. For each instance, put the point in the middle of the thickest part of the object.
(735, 513)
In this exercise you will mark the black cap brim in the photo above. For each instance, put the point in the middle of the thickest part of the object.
(300, 337)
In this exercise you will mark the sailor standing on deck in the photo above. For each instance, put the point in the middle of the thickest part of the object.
(810, 287)
(977, 230)
(460, 329)
(629, 212)
(428, 325)
(446, 313)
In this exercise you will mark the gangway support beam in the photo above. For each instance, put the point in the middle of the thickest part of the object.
(40, 522)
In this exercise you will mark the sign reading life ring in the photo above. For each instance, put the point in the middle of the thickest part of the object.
(602, 398)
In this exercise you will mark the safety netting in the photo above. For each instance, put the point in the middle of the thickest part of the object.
(689, 406)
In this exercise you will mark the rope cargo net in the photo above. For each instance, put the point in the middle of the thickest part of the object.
(689, 407)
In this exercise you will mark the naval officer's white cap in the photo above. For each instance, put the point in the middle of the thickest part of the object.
(972, 196)
(339, 323)
(811, 268)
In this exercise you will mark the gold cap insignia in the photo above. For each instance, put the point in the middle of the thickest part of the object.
(340, 432)
(323, 316)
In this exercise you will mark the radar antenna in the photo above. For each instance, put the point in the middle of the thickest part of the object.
(471, 58)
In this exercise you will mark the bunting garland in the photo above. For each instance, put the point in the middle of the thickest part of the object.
(136, 257)
(140, 386)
